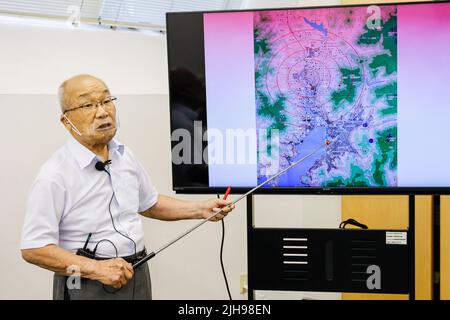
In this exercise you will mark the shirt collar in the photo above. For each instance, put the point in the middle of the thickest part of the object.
(84, 156)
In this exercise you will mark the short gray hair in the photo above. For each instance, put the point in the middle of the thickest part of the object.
(62, 89)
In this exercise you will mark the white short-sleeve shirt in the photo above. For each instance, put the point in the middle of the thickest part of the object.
(70, 199)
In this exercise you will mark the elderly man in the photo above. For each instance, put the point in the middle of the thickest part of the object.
(89, 194)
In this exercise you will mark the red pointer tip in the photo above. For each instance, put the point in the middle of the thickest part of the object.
(328, 142)
(227, 193)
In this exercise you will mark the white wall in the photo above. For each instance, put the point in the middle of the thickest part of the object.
(35, 59)
(33, 62)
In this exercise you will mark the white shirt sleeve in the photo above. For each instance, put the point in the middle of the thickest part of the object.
(45, 206)
(148, 195)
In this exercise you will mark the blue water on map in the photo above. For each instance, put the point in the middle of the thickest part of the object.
(319, 27)
(311, 142)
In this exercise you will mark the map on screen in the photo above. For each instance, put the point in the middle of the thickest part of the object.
(328, 74)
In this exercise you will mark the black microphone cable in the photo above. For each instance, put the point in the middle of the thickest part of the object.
(221, 256)
(106, 240)
(101, 167)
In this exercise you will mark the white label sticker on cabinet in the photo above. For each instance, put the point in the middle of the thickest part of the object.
(396, 237)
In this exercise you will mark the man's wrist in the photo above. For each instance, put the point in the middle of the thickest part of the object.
(90, 269)
(197, 209)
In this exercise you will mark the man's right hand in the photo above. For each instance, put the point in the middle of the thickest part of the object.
(113, 272)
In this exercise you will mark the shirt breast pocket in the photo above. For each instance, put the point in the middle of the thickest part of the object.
(128, 194)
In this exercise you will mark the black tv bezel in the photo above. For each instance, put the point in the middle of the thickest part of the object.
(301, 190)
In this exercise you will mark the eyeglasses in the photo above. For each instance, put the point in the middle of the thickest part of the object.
(106, 104)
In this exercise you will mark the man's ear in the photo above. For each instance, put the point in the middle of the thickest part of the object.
(69, 125)
(63, 120)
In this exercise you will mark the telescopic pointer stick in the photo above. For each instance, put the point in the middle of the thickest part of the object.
(154, 253)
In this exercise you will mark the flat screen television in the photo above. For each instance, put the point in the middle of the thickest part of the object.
(253, 91)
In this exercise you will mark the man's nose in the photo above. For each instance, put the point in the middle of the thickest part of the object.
(101, 112)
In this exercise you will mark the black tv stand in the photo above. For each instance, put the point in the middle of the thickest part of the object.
(330, 260)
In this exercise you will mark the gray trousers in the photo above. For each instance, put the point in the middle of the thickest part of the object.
(138, 288)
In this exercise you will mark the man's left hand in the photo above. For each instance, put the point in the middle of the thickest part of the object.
(209, 207)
